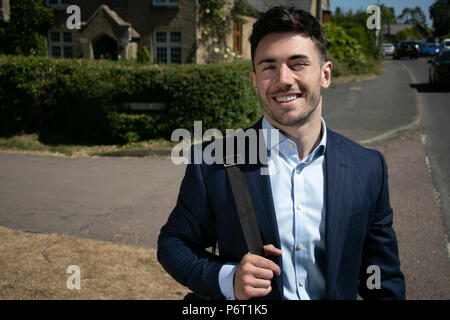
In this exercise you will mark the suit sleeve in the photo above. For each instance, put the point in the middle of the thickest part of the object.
(188, 231)
(381, 250)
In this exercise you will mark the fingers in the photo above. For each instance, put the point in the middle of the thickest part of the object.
(266, 264)
(271, 250)
(254, 273)
(259, 269)
(252, 292)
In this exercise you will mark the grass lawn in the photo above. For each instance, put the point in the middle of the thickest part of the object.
(29, 143)
(33, 266)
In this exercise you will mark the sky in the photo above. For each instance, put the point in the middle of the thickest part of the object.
(397, 4)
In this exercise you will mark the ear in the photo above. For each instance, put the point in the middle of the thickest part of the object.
(326, 74)
(253, 76)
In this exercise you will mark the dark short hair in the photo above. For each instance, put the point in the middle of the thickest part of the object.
(283, 19)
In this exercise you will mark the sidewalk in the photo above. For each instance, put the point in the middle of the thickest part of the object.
(417, 218)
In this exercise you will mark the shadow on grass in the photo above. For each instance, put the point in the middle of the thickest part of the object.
(53, 138)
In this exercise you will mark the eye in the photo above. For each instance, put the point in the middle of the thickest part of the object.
(269, 68)
(298, 65)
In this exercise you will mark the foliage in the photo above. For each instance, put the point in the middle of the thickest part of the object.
(407, 34)
(83, 101)
(412, 16)
(215, 21)
(145, 56)
(354, 25)
(241, 7)
(387, 15)
(26, 31)
(439, 12)
(343, 50)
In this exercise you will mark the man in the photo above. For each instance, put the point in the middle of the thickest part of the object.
(323, 212)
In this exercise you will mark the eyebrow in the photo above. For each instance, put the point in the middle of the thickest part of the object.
(294, 57)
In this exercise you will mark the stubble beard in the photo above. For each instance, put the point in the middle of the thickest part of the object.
(312, 102)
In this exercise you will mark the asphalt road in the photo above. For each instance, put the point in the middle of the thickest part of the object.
(127, 200)
(370, 108)
(114, 199)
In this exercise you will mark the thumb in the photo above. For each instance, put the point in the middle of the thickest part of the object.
(271, 250)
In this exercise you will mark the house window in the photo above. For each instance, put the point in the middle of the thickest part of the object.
(237, 38)
(166, 2)
(60, 44)
(168, 46)
(57, 3)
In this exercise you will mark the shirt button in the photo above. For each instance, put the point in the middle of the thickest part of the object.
(298, 170)
(299, 207)
(301, 283)
(299, 246)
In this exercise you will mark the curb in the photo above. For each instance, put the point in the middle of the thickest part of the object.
(135, 153)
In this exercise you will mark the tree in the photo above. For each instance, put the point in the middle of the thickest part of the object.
(387, 19)
(354, 24)
(407, 34)
(412, 16)
(439, 12)
(387, 15)
(26, 31)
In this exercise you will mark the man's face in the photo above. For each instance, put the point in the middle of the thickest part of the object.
(289, 77)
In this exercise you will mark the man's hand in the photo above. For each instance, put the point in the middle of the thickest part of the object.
(253, 275)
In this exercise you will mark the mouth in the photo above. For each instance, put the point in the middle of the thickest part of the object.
(287, 100)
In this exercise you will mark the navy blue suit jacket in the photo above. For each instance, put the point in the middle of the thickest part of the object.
(358, 226)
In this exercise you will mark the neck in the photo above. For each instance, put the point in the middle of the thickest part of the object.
(306, 136)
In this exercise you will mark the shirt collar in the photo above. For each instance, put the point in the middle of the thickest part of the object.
(285, 145)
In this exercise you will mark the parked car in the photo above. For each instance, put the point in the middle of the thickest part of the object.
(439, 71)
(429, 49)
(387, 49)
(407, 48)
(445, 43)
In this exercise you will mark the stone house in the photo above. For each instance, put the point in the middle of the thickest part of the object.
(167, 31)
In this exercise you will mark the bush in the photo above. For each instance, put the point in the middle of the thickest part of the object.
(83, 101)
(26, 32)
(407, 34)
(346, 52)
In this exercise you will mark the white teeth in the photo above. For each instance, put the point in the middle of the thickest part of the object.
(286, 98)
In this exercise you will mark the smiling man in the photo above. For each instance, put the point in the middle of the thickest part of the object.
(323, 212)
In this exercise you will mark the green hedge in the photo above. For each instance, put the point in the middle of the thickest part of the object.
(344, 50)
(83, 101)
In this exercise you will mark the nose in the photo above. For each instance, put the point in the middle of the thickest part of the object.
(285, 75)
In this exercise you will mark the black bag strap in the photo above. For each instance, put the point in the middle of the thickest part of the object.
(245, 209)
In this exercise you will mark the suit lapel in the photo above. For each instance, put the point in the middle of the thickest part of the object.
(337, 206)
